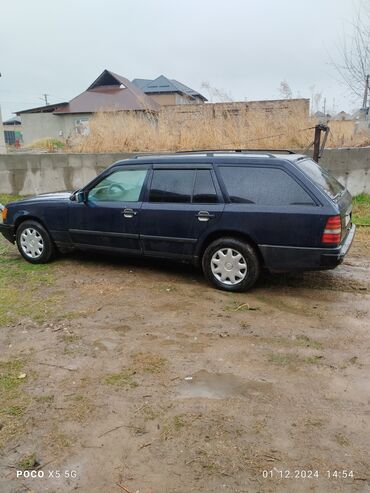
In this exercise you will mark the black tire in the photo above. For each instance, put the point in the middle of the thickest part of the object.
(44, 254)
(250, 260)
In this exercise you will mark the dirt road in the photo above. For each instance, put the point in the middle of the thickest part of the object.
(138, 373)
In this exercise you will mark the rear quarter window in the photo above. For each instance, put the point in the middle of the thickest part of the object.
(204, 189)
(321, 178)
(263, 186)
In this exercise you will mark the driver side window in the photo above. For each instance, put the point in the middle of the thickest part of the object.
(120, 186)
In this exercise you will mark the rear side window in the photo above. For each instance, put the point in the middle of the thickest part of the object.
(263, 186)
(172, 185)
(321, 177)
(183, 186)
(204, 189)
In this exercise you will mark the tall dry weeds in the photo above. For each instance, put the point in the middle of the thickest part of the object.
(166, 131)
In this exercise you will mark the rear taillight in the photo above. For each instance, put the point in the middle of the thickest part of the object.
(333, 231)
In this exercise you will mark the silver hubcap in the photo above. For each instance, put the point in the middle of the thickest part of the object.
(228, 266)
(32, 243)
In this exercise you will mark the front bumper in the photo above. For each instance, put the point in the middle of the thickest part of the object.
(7, 231)
(286, 259)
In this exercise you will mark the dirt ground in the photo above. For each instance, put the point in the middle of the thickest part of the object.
(136, 376)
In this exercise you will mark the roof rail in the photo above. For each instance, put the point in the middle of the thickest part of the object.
(287, 151)
(211, 152)
(283, 151)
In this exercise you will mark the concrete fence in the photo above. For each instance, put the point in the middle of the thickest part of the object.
(27, 174)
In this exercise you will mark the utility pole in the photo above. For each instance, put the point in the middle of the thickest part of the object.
(45, 98)
(366, 92)
(2, 135)
(364, 110)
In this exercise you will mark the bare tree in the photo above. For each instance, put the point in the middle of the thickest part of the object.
(215, 94)
(285, 90)
(354, 53)
(317, 100)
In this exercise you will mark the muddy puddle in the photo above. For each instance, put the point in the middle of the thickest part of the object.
(208, 385)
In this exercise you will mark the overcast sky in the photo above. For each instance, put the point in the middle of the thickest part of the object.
(243, 48)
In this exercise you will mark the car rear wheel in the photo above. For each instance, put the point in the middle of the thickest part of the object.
(231, 264)
(34, 243)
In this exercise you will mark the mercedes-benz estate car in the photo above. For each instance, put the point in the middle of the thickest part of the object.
(232, 213)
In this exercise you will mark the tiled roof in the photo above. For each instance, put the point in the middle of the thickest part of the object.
(164, 85)
(110, 92)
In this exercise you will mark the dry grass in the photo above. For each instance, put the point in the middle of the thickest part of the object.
(362, 241)
(131, 132)
(148, 362)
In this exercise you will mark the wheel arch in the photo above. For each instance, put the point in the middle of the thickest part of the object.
(49, 248)
(229, 234)
(27, 217)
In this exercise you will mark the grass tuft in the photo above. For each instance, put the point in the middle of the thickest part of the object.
(293, 359)
(13, 398)
(6, 198)
(361, 209)
(19, 283)
(9, 371)
(28, 462)
(12, 411)
(47, 144)
(305, 341)
(173, 426)
(122, 379)
(342, 440)
(149, 362)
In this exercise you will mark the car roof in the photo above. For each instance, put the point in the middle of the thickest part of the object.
(208, 156)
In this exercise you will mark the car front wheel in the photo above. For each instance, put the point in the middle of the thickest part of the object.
(34, 243)
(231, 264)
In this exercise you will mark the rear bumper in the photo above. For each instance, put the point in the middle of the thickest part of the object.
(336, 258)
(7, 231)
(284, 258)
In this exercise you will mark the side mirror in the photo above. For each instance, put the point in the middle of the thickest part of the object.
(81, 197)
(78, 196)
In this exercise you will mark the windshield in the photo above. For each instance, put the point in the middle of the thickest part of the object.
(321, 177)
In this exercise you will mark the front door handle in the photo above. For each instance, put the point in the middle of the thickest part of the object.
(129, 213)
(204, 216)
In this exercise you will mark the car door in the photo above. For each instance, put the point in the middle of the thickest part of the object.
(109, 216)
(182, 204)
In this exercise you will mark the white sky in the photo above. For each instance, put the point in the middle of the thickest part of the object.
(244, 48)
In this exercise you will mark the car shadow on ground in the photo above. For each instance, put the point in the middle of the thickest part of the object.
(329, 279)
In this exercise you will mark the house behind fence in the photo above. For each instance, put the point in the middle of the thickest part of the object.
(111, 92)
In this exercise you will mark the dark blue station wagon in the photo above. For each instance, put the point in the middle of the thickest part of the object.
(233, 213)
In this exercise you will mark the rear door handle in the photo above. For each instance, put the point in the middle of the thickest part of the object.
(204, 216)
(129, 213)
